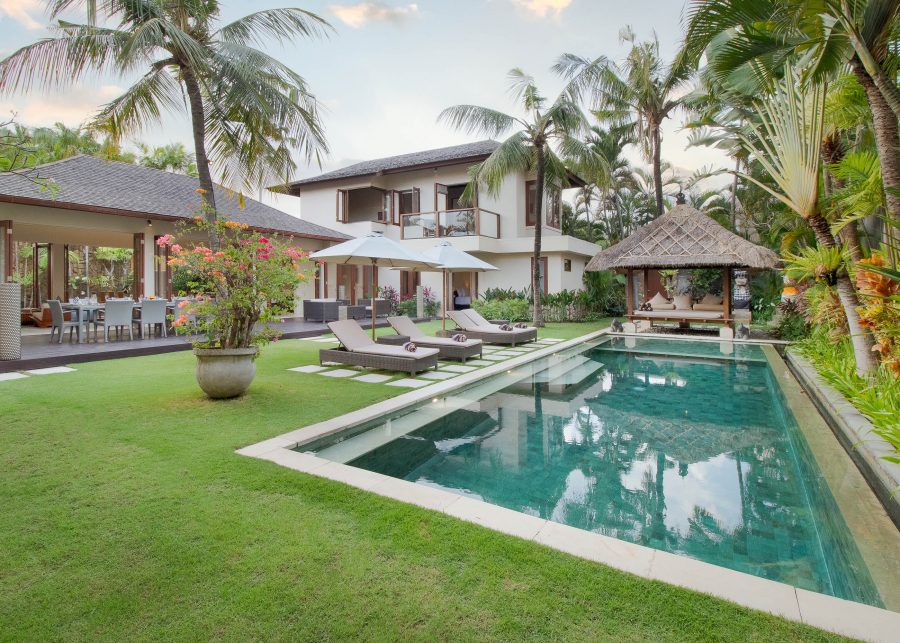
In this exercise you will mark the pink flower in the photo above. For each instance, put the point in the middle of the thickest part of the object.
(176, 248)
(165, 240)
(263, 240)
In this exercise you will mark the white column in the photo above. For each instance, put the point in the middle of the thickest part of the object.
(149, 264)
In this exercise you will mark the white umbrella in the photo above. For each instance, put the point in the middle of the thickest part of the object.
(373, 249)
(451, 259)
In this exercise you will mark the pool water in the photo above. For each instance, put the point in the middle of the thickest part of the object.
(684, 446)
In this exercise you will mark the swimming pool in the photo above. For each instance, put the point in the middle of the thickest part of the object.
(687, 447)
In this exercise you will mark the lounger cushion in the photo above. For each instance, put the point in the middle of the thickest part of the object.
(350, 334)
(712, 307)
(405, 326)
(698, 315)
(710, 299)
(398, 351)
(683, 302)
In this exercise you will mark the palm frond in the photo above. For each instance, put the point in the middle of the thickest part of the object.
(140, 106)
(481, 121)
(515, 154)
(281, 24)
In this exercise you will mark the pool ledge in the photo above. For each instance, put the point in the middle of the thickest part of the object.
(818, 610)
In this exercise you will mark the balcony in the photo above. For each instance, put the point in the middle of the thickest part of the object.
(466, 222)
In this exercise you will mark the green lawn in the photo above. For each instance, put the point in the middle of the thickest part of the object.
(127, 514)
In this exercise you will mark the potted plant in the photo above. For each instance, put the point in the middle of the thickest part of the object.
(239, 288)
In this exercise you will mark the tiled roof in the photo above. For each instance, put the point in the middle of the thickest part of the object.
(95, 183)
(440, 156)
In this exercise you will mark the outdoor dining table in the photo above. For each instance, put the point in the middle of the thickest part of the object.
(87, 313)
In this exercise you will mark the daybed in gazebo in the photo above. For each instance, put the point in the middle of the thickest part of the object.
(683, 238)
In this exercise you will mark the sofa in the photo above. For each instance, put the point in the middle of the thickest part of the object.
(322, 310)
(382, 306)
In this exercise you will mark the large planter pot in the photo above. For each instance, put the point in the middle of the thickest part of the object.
(225, 372)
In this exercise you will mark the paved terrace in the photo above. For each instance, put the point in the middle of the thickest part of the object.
(38, 352)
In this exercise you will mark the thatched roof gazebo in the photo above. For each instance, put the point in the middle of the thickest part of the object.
(683, 238)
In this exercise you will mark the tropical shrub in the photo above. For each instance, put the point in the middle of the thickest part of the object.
(792, 324)
(501, 294)
(407, 307)
(879, 291)
(392, 295)
(253, 279)
(515, 310)
(876, 397)
(604, 293)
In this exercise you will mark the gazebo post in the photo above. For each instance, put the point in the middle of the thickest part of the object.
(726, 294)
(629, 295)
(646, 284)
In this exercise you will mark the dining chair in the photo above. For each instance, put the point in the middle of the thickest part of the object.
(153, 312)
(60, 323)
(116, 315)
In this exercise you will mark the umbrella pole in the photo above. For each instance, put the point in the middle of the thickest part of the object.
(444, 315)
(374, 261)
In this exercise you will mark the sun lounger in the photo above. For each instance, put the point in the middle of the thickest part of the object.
(488, 332)
(358, 349)
(449, 348)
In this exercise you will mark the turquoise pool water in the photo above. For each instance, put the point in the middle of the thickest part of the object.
(686, 447)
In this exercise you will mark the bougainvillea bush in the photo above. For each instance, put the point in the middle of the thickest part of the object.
(240, 287)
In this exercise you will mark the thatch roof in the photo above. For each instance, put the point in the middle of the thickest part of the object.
(684, 238)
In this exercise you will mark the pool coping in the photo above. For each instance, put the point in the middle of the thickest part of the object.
(819, 610)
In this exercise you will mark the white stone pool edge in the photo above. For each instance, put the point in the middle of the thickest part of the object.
(819, 610)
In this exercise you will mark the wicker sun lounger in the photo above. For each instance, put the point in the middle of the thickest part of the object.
(491, 333)
(358, 349)
(449, 349)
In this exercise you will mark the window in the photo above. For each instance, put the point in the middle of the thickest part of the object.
(554, 212)
(405, 202)
(542, 278)
(530, 194)
(342, 206)
(567, 265)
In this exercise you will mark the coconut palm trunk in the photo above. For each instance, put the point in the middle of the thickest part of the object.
(886, 141)
(861, 339)
(198, 126)
(656, 141)
(536, 290)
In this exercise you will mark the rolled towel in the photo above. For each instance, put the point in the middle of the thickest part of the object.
(410, 347)
(459, 337)
(505, 327)
(521, 325)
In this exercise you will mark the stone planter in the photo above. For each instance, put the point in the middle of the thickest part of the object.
(225, 372)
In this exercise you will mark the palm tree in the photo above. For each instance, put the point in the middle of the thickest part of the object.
(747, 42)
(638, 95)
(788, 146)
(172, 157)
(528, 149)
(247, 109)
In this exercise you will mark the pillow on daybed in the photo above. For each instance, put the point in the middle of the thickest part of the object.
(661, 303)
(710, 299)
(683, 302)
(710, 307)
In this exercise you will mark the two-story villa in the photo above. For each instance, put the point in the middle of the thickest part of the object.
(417, 199)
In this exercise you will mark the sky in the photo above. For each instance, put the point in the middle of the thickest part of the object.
(390, 67)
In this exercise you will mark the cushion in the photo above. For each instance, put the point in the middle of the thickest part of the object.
(710, 299)
(658, 300)
(709, 307)
(683, 302)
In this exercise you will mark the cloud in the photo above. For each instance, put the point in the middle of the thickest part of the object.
(21, 10)
(541, 8)
(72, 107)
(356, 15)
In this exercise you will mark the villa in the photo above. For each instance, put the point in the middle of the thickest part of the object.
(69, 208)
(417, 199)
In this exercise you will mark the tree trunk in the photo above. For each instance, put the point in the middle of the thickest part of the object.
(198, 123)
(886, 142)
(734, 187)
(657, 169)
(536, 290)
(886, 87)
(832, 154)
(861, 339)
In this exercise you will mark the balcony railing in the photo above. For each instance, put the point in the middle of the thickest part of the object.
(467, 222)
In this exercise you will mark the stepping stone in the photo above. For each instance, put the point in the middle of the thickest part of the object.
(505, 354)
(372, 378)
(50, 371)
(492, 358)
(310, 368)
(339, 372)
(12, 376)
(437, 375)
(409, 383)
(459, 368)
(479, 362)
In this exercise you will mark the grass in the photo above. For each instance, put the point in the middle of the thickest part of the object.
(127, 514)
